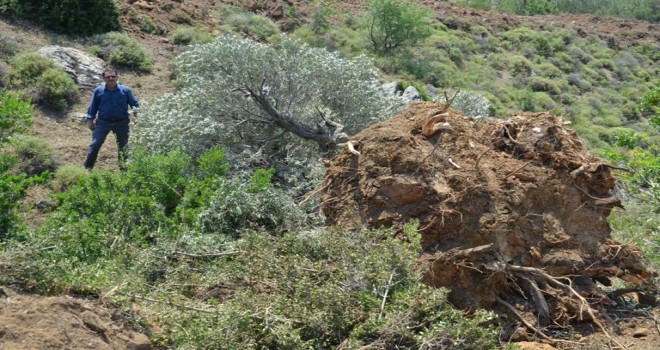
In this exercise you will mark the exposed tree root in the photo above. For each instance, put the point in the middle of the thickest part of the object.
(523, 320)
(584, 304)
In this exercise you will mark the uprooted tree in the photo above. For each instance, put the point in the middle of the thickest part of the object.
(511, 212)
(269, 98)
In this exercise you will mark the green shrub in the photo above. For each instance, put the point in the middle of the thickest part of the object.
(67, 176)
(261, 180)
(306, 34)
(15, 115)
(237, 206)
(519, 66)
(563, 61)
(12, 190)
(8, 46)
(550, 86)
(257, 27)
(436, 73)
(121, 50)
(520, 37)
(80, 17)
(190, 36)
(650, 106)
(547, 70)
(34, 155)
(55, 89)
(146, 24)
(106, 207)
(602, 63)
(38, 78)
(320, 19)
(529, 101)
(576, 80)
(26, 68)
(213, 162)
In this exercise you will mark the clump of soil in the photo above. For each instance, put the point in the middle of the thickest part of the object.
(511, 212)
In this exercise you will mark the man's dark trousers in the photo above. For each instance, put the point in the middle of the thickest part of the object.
(103, 128)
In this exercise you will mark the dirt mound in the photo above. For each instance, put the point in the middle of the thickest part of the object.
(511, 211)
(63, 322)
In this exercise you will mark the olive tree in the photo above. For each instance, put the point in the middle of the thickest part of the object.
(268, 100)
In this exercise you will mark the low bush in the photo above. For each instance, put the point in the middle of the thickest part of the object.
(146, 24)
(38, 78)
(190, 36)
(55, 90)
(26, 68)
(67, 176)
(550, 86)
(34, 155)
(519, 66)
(124, 51)
(472, 104)
(256, 27)
(530, 101)
(547, 70)
(15, 115)
(237, 206)
(8, 46)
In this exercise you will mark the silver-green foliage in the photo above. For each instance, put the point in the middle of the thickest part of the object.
(472, 104)
(213, 106)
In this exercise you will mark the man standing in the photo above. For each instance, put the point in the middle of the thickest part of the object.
(110, 103)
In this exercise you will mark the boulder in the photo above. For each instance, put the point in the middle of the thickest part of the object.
(85, 69)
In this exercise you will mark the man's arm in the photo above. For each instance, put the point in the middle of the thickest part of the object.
(92, 110)
(132, 101)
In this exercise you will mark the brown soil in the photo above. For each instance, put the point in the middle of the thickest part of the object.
(517, 207)
(512, 212)
(63, 322)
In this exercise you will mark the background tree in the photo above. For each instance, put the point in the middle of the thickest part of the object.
(81, 17)
(265, 100)
(393, 24)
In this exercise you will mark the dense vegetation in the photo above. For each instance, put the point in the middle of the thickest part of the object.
(78, 17)
(648, 10)
(213, 243)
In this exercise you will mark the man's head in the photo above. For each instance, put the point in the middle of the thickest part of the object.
(110, 77)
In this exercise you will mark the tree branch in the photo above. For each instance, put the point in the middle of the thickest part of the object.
(325, 138)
